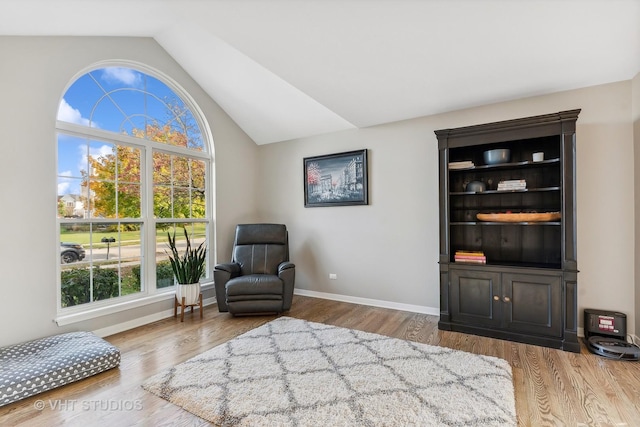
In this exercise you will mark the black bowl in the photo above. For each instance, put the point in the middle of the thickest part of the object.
(497, 156)
(475, 187)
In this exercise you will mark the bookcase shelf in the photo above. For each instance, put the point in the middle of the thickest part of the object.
(481, 193)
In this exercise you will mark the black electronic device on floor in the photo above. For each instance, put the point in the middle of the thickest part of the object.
(605, 334)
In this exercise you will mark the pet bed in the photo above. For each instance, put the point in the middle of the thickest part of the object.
(36, 366)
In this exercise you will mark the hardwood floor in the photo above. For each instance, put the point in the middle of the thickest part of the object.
(553, 387)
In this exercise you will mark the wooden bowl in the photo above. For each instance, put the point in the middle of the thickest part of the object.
(519, 217)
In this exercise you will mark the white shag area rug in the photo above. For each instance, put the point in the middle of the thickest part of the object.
(291, 372)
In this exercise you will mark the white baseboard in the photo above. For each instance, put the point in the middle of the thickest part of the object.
(125, 326)
(371, 302)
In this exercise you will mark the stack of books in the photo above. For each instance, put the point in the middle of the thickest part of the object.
(512, 184)
(474, 257)
(461, 165)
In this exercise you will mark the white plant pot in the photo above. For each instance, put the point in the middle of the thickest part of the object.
(190, 292)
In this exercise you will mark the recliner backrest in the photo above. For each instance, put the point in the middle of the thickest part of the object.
(260, 248)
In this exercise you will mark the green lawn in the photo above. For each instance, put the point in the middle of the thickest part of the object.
(84, 238)
(124, 237)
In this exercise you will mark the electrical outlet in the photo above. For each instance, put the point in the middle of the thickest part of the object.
(333, 276)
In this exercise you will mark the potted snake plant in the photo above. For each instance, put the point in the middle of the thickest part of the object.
(187, 268)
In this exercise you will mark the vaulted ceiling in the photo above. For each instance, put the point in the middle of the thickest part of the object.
(285, 69)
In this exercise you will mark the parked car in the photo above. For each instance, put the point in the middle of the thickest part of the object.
(71, 252)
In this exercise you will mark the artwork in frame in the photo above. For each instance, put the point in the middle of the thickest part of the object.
(336, 179)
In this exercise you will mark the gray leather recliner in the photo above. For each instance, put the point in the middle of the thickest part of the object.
(259, 279)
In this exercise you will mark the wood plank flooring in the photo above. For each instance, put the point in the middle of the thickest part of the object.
(553, 387)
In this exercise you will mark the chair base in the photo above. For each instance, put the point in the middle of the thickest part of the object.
(258, 313)
(255, 307)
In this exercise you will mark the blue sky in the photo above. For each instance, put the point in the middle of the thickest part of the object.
(114, 99)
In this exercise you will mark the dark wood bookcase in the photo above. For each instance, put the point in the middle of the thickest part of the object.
(526, 290)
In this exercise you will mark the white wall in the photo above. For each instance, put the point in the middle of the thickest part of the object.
(388, 250)
(384, 251)
(33, 77)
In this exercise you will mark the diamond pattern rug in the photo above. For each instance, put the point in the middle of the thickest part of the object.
(291, 372)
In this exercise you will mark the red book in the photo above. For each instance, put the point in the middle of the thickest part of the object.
(476, 257)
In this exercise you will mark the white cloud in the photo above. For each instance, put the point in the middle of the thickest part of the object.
(95, 153)
(66, 113)
(122, 75)
(64, 183)
(101, 151)
(63, 187)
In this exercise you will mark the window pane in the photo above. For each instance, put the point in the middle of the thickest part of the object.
(197, 234)
(161, 168)
(72, 156)
(198, 190)
(114, 181)
(198, 204)
(198, 170)
(71, 180)
(181, 167)
(99, 261)
(162, 206)
(179, 187)
(129, 200)
(74, 238)
(70, 205)
(164, 273)
(181, 203)
(102, 160)
(103, 202)
(128, 164)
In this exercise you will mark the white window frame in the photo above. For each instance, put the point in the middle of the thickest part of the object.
(149, 294)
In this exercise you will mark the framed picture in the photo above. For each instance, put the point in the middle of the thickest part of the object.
(336, 179)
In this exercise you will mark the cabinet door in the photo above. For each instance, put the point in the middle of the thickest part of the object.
(533, 303)
(475, 297)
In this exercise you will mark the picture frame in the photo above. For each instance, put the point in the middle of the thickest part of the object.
(339, 179)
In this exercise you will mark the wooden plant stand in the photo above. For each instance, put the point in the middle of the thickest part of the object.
(183, 305)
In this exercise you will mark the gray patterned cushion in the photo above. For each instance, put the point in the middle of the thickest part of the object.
(33, 367)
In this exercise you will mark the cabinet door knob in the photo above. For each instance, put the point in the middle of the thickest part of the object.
(507, 299)
(496, 297)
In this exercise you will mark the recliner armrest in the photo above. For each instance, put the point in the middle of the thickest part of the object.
(231, 268)
(287, 273)
(222, 273)
(285, 266)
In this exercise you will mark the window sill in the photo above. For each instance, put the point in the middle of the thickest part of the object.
(91, 313)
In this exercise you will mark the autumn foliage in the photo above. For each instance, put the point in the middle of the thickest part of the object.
(114, 179)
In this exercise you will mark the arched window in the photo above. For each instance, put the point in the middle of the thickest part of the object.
(133, 164)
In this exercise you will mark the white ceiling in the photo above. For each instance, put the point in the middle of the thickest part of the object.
(285, 69)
